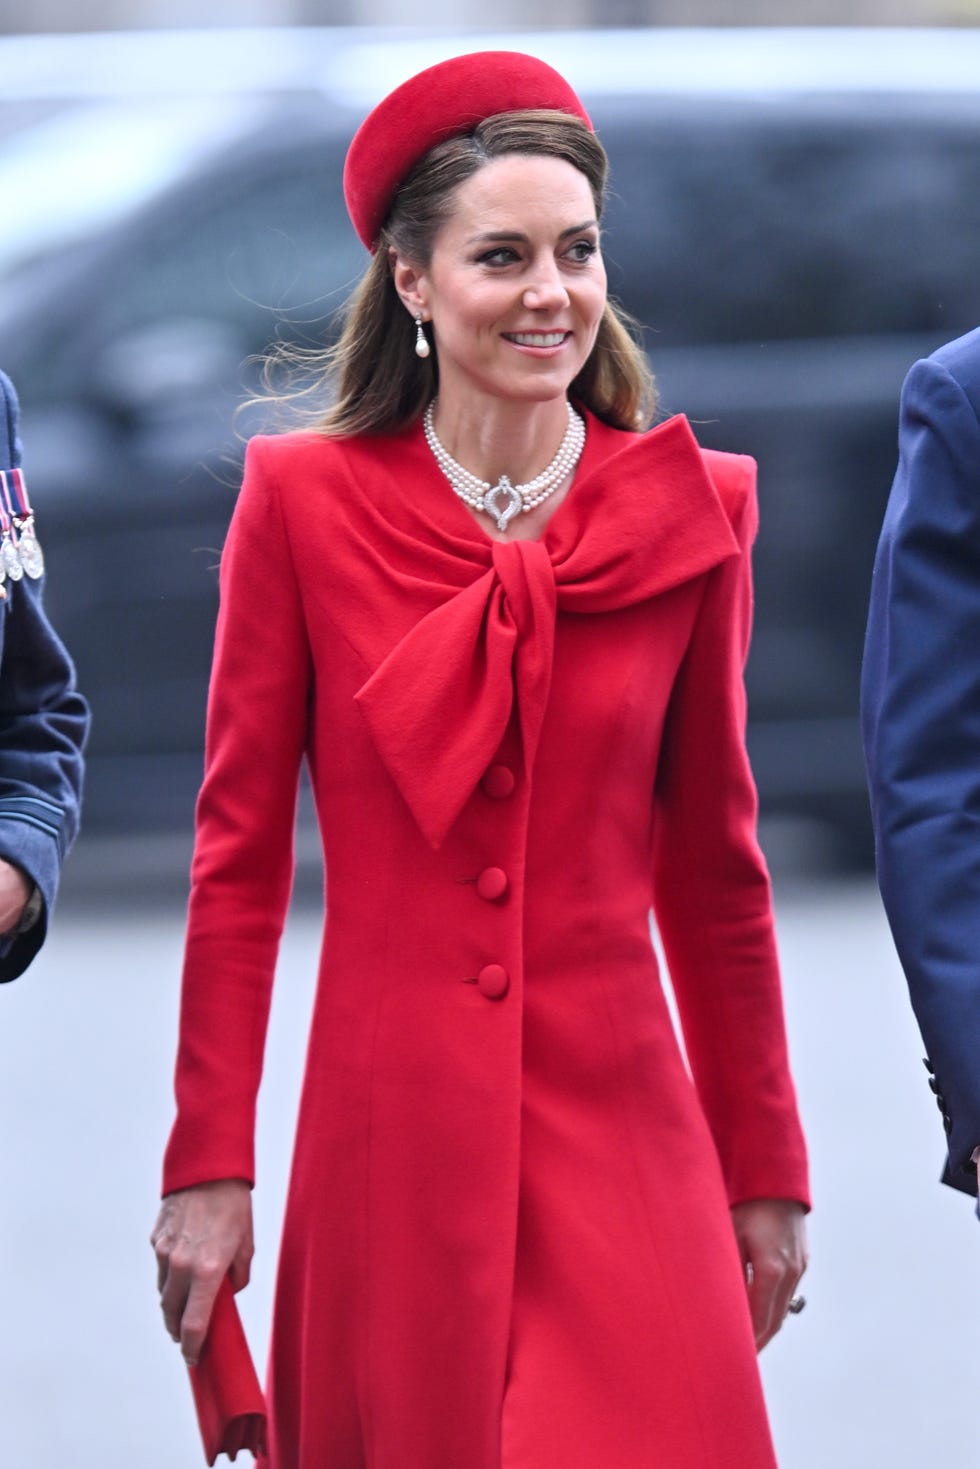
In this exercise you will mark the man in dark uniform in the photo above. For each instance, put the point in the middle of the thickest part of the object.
(43, 722)
(921, 716)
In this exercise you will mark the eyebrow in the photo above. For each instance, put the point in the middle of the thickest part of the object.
(518, 237)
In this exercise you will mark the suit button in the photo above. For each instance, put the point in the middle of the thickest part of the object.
(934, 1086)
(498, 782)
(493, 981)
(492, 883)
(947, 1124)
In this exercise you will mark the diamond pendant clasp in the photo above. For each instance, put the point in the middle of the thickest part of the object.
(514, 502)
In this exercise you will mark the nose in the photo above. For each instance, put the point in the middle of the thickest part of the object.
(545, 291)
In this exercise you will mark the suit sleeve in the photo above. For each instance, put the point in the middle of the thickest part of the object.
(243, 857)
(921, 724)
(712, 896)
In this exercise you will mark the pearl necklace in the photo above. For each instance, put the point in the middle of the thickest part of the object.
(504, 500)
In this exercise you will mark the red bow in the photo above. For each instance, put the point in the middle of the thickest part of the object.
(647, 519)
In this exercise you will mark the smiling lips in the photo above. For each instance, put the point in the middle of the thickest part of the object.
(537, 339)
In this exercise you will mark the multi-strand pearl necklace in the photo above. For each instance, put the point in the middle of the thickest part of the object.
(503, 500)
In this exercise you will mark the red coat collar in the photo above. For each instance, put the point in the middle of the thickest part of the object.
(643, 516)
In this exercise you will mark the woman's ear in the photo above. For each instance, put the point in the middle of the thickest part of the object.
(410, 283)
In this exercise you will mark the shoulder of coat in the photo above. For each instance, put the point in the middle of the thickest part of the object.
(958, 360)
(297, 461)
(734, 479)
(306, 450)
(961, 358)
(293, 449)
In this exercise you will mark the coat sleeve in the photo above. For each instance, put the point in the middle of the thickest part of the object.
(711, 888)
(242, 869)
(43, 725)
(921, 725)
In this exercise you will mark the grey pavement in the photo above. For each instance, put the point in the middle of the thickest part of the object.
(881, 1368)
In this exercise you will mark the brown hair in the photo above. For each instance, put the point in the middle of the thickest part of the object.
(380, 383)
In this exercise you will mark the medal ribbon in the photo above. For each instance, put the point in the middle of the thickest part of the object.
(4, 534)
(19, 507)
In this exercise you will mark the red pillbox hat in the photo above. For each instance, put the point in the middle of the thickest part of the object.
(441, 102)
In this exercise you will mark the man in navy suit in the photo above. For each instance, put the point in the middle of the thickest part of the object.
(43, 724)
(921, 720)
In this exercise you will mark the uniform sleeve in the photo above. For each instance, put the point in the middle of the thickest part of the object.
(711, 891)
(43, 725)
(242, 869)
(921, 725)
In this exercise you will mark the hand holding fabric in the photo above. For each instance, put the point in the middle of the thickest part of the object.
(201, 1235)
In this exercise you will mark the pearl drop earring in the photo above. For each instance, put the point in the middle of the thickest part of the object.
(422, 348)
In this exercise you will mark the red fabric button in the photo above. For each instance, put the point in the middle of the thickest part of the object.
(498, 782)
(492, 883)
(493, 981)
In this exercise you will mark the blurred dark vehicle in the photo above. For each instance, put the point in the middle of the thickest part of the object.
(790, 248)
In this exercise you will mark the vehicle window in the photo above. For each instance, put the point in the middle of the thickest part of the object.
(254, 250)
(750, 222)
(244, 249)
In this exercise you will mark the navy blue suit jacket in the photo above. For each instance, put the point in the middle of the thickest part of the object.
(921, 720)
(43, 724)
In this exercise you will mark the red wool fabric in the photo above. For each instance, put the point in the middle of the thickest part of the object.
(507, 1241)
(445, 100)
(229, 1402)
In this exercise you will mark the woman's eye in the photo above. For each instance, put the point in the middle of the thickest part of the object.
(582, 251)
(502, 255)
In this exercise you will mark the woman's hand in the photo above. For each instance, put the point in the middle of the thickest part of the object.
(771, 1236)
(201, 1235)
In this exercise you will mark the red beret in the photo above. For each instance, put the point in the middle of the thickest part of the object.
(442, 102)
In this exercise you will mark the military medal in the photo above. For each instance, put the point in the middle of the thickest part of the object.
(4, 536)
(9, 560)
(25, 548)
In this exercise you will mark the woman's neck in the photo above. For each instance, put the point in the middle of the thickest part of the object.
(496, 437)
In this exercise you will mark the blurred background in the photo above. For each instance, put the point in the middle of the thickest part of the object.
(795, 218)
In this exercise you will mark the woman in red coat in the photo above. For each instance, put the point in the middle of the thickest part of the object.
(506, 630)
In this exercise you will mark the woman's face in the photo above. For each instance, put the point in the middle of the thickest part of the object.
(516, 285)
